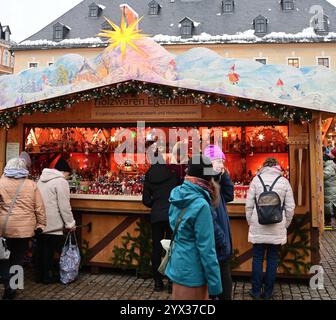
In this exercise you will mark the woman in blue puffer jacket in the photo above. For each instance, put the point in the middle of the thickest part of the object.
(193, 266)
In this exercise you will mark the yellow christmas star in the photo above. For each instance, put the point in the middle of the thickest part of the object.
(123, 36)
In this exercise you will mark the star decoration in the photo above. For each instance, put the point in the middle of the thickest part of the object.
(124, 36)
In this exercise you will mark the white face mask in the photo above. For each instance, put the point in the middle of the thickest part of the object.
(66, 174)
(218, 165)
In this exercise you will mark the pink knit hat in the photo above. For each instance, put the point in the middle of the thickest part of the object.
(214, 152)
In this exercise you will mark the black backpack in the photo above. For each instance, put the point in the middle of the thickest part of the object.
(269, 206)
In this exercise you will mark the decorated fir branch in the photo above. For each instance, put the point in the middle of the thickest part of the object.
(281, 112)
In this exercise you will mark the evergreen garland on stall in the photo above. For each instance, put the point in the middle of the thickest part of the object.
(294, 254)
(135, 252)
(283, 113)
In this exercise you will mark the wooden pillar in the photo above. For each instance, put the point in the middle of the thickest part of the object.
(298, 140)
(326, 125)
(3, 140)
(316, 172)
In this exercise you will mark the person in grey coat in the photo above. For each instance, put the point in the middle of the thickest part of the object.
(55, 193)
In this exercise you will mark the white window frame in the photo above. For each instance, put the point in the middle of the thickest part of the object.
(265, 24)
(231, 5)
(284, 2)
(299, 59)
(37, 64)
(57, 29)
(154, 9)
(323, 57)
(261, 58)
(186, 23)
(106, 26)
(94, 8)
(6, 54)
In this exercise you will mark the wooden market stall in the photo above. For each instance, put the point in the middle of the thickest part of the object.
(80, 107)
(86, 138)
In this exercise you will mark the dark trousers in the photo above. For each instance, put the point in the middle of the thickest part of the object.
(46, 258)
(225, 270)
(160, 230)
(17, 247)
(259, 281)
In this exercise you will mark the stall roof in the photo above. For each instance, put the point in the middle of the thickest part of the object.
(201, 69)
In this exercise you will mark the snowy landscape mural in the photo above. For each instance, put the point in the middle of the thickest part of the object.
(199, 69)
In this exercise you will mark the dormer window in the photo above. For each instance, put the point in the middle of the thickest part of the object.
(260, 25)
(287, 5)
(187, 27)
(228, 6)
(154, 8)
(7, 34)
(321, 25)
(107, 26)
(95, 10)
(60, 31)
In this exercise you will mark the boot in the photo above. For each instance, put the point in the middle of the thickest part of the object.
(170, 287)
(158, 285)
(9, 294)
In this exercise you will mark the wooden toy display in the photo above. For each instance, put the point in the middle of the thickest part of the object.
(90, 152)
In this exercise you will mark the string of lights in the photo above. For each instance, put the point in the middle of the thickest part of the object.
(281, 112)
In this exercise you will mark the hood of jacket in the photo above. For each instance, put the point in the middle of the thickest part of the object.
(159, 173)
(185, 194)
(51, 174)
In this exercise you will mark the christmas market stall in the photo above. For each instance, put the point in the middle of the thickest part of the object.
(134, 89)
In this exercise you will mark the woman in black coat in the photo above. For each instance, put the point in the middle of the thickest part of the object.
(160, 180)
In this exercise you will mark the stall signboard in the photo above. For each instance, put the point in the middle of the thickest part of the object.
(145, 108)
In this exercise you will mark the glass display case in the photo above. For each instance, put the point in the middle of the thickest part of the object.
(90, 151)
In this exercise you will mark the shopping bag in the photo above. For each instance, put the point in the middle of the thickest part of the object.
(165, 245)
(70, 260)
(4, 252)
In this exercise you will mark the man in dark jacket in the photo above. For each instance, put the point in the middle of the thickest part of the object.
(221, 220)
(160, 180)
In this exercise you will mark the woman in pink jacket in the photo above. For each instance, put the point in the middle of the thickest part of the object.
(267, 238)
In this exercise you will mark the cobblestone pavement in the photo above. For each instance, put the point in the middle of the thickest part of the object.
(114, 286)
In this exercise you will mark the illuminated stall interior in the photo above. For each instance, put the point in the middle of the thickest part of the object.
(90, 152)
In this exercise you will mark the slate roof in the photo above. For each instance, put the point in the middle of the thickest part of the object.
(3, 30)
(208, 13)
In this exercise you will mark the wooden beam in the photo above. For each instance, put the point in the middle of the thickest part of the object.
(316, 172)
(325, 127)
(3, 140)
(110, 236)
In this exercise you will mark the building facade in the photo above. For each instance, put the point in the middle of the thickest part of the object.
(6, 56)
(294, 32)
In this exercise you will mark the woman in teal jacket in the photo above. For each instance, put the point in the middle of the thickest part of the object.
(193, 266)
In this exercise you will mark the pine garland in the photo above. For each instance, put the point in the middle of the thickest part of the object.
(281, 112)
